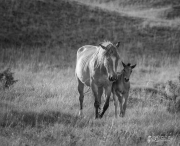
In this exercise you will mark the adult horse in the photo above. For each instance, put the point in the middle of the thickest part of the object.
(96, 66)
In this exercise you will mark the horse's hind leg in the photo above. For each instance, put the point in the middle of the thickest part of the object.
(81, 96)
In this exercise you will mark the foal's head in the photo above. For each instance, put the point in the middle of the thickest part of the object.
(127, 70)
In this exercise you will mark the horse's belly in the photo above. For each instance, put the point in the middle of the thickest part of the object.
(102, 81)
(82, 73)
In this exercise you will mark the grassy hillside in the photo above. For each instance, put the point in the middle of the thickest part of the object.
(163, 13)
(59, 28)
(39, 40)
(139, 3)
(66, 24)
(70, 25)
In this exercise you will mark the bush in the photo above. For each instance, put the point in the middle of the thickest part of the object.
(173, 92)
(7, 79)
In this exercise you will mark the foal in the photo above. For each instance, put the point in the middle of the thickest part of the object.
(120, 88)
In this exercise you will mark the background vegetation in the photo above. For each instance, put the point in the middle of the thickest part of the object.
(39, 40)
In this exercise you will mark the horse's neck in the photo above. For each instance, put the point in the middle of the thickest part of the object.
(97, 59)
(100, 56)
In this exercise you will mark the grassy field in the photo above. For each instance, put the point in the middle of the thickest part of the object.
(155, 13)
(39, 40)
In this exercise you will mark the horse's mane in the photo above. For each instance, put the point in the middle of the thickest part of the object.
(101, 52)
(106, 43)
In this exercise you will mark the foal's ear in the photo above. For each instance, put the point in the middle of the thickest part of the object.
(124, 65)
(117, 44)
(133, 66)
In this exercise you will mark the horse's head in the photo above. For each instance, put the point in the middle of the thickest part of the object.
(127, 70)
(110, 60)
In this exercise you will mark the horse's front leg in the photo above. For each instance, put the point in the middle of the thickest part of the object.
(97, 92)
(115, 102)
(106, 105)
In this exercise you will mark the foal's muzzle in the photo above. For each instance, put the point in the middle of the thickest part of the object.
(126, 79)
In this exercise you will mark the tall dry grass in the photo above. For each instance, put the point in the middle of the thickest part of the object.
(42, 107)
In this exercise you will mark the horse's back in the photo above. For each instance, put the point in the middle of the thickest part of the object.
(86, 51)
(84, 55)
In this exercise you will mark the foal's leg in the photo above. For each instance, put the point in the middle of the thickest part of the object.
(125, 103)
(106, 105)
(120, 98)
(81, 96)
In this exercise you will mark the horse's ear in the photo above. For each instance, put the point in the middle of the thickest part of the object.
(102, 46)
(124, 65)
(133, 66)
(117, 44)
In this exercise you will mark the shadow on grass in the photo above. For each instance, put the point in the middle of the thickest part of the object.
(146, 96)
(153, 91)
(15, 118)
(132, 102)
(138, 90)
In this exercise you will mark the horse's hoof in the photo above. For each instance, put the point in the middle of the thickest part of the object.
(81, 114)
(97, 117)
